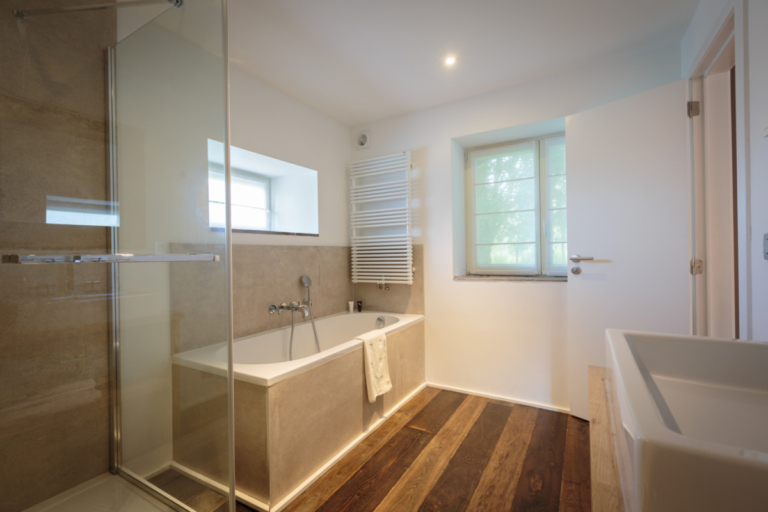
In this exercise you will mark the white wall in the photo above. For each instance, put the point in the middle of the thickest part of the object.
(500, 338)
(751, 17)
(758, 101)
(269, 122)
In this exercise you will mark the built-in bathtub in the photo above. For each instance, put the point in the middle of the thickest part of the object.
(294, 417)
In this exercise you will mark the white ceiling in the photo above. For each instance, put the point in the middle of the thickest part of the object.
(360, 60)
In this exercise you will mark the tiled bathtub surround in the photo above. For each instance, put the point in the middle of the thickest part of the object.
(53, 319)
(285, 433)
(262, 275)
(269, 274)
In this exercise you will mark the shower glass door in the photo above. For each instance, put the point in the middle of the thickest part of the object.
(172, 427)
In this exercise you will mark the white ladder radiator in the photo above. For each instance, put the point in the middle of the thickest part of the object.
(382, 247)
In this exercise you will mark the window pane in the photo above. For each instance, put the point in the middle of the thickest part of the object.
(244, 217)
(558, 226)
(523, 255)
(555, 156)
(505, 197)
(249, 192)
(216, 190)
(512, 163)
(557, 255)
(556, 191)
(217, 215)
(501, 228)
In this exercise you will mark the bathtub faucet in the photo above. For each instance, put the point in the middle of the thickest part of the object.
(293, 306)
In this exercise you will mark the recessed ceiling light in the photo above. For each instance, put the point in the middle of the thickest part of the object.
(450, 60)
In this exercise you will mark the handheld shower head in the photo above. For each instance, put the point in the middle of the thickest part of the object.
(306, 281)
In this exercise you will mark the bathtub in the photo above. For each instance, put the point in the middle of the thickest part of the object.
(262, 359)
(293, 418)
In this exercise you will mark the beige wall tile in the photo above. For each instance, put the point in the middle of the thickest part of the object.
(53, 320)
(312, 416)
(53, 380)
(57, 60)
(46, 151)
(200, 422)
(405, 354)
(251, 462)
(400, 298)
(267, 274)
(198, 298)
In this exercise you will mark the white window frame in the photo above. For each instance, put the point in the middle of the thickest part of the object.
(541, 211)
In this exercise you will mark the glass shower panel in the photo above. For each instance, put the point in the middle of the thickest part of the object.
(174, 416)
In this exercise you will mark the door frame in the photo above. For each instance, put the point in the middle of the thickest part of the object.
(732, 23)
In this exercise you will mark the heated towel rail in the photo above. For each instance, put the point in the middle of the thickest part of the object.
(382, 248)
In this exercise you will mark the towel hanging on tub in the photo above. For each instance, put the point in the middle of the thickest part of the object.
(376, 366)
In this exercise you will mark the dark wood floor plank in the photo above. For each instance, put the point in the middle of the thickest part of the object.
(457, 484)
(239, 507)
(576, 491)
(432, 417)
(365, 490)
(496, 490)
(538, 489)
(414, 486)
(331, 481)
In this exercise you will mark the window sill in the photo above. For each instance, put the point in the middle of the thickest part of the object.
(546, 279)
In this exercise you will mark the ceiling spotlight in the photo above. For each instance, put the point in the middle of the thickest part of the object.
(450, 60)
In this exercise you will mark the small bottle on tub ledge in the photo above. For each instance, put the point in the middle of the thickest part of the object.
(359, 306)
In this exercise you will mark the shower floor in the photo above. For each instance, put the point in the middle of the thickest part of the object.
(448, 451)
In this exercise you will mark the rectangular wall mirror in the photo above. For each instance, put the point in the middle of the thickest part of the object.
(268, 195)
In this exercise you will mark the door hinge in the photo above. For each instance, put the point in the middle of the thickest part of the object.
(697, 267)
(694, 108)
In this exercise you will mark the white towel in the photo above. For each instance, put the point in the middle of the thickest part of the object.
(376, 365)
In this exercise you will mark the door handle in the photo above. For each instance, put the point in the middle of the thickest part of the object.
(576, 258)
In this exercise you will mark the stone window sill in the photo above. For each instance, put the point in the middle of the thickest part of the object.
(548, 279)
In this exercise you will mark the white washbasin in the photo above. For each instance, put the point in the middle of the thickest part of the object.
(691, 421)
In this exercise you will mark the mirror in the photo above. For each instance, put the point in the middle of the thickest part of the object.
(268, 195)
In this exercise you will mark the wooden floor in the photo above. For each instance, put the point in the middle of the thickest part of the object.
(193, 494)
(446, 451)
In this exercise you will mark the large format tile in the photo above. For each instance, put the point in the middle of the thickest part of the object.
(44, 152)
(266, 275)
(57, 60)
(251, 463)
(312, 417)
(53, 380)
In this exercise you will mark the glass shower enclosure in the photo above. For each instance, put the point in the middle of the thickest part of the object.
(110, 264)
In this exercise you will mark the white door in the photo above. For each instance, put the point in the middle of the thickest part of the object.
(628, 207)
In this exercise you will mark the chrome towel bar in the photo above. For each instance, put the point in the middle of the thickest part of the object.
(26, 259)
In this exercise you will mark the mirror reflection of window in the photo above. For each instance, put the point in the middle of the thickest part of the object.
(267, 194)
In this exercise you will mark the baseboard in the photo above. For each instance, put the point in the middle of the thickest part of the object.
(328, 465)
(499, 397)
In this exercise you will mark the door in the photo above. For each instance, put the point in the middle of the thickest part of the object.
(628, 207)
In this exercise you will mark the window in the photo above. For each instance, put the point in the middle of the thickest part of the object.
(250, 200)
(516, 211)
